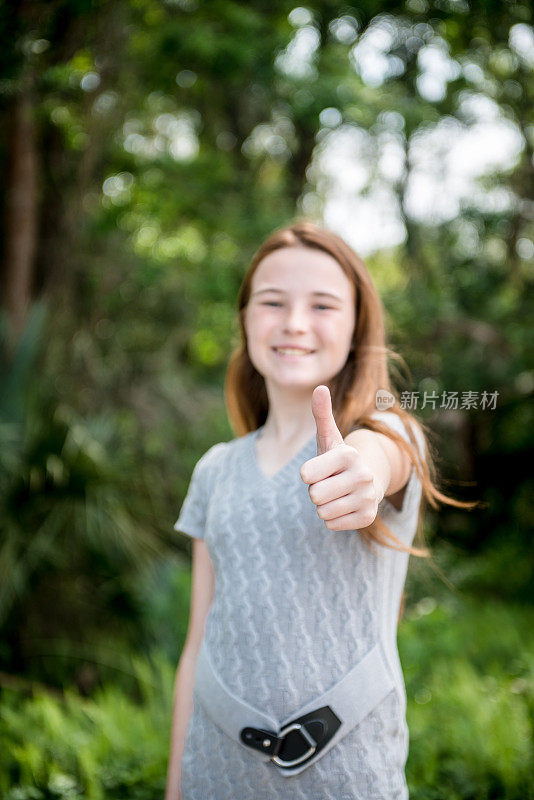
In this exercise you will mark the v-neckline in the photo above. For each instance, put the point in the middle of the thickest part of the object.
(279, 474)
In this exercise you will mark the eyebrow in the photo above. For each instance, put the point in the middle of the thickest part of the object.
(314, 294)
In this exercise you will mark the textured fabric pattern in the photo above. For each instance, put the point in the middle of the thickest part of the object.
(295, 607)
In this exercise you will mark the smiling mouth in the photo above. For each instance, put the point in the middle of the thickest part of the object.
(292, 351)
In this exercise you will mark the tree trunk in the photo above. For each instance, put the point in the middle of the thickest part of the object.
(21, 215)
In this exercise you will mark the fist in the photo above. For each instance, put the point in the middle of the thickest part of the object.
(340, 484)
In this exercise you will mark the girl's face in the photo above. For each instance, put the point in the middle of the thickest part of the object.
(300, 300)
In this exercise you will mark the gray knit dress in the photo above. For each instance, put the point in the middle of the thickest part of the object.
(295, 607)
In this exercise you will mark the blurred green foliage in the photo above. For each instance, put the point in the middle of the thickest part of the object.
(470, 682)
(79, 544)
(171, 138)
(470, 687)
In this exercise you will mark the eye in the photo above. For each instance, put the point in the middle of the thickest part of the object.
(321, 306)
(271, 303)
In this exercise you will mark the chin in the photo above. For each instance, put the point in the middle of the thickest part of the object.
(304, 385)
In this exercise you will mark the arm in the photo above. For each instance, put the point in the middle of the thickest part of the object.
(389, 464)
(202, 588)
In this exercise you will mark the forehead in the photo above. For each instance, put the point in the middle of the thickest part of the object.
(300, 268)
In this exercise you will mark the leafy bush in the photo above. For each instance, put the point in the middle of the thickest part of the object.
(80, 531)
(107, 746)
(469, 681)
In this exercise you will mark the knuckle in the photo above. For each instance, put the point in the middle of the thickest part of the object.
(349, 455)
(352, 454)
(365, 476)
(368, 518)
(351, 458)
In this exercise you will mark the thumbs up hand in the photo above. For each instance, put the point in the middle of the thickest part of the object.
(341, 485)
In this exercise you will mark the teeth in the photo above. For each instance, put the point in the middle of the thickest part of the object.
(292, 351)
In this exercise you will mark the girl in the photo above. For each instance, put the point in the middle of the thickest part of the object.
(289, 684)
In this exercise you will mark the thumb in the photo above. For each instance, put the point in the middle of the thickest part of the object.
(328, 435)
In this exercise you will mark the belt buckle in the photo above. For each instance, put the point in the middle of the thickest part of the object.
(323, 722)
(310, 741)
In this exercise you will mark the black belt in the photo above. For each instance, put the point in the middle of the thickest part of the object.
(295, 744)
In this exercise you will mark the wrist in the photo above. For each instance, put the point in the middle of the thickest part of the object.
(381, 480)
(380, 489)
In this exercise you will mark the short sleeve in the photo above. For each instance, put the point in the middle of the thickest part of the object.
(192, 517)
(194, 511)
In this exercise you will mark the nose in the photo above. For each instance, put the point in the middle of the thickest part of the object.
(295, 320)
